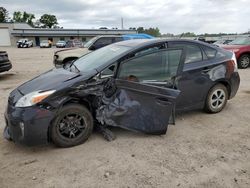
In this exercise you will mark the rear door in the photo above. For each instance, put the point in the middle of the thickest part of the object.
(194, 81)
(133, 102)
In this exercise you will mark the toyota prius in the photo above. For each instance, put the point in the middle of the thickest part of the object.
(136, 85)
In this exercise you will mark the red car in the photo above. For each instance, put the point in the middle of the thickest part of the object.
(241, 48)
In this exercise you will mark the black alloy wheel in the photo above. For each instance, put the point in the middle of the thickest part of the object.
(72, 126)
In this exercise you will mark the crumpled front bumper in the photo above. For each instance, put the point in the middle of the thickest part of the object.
(28, 126)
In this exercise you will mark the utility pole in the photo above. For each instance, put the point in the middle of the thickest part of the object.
(122, 23)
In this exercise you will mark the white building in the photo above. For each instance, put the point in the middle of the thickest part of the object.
(10, 33)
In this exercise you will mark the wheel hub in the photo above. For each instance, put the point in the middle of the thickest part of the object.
(245, 62)
(218, 98)
(71, 125)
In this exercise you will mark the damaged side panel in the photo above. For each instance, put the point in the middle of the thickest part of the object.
(137, 107)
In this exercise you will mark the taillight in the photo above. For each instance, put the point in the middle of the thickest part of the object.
(230, 67)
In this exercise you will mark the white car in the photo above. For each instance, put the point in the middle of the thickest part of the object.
(61, 44)
(45, 44)
(24, 43)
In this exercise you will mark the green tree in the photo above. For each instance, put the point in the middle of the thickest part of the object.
(140, 30)
(4, 15)
(151, 31)
(24, 17)
(188, 34)
(48, 21)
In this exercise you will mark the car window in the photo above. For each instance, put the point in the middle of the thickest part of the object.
(158, 66)
(210, 52)
(118, 39)
(90, 42)
(109, 71)
(193, 52)
(99, 58)
(103, 42)
(151, 49)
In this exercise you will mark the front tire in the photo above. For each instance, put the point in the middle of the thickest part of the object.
(244, 61)
(216, 99)
(72, 126)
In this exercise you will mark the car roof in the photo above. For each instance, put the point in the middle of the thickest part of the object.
(144, 42)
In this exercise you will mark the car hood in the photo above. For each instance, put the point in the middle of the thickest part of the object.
(80, 51)
(230, 47)
(54, 79)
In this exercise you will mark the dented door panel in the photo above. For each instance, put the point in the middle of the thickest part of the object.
(137, 107)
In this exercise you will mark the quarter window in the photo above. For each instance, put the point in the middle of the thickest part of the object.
(109, 71)
(193, 52)
(158, 66)
(210, 52)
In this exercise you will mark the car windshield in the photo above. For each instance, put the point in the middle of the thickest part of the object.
(44, 41)
(241, 41)
(60, 41)
(93, 60)
(90, 42)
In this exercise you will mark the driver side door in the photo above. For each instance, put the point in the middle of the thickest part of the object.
(133, 101)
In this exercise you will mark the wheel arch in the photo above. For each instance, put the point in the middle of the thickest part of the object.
(223, 82)
(227, 85)
(244, 53)
(82, 102)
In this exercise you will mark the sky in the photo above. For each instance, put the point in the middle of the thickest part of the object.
(170, 16)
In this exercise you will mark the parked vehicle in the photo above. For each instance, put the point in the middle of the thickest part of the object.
(5, 64)
(133, 84)
(222, 41)
(73, 43)
(66, 56)
(24, 43)
(241, 48)
(200, 39)
(45, 44)
(61, 44)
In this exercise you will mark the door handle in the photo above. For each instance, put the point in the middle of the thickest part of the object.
(163, 101)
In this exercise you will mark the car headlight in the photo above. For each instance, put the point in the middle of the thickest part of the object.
(33, 98)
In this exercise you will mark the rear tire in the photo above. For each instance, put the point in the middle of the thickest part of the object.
(72, 126)
(244, 61)
(216, 99)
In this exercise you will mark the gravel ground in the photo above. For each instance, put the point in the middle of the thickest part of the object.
(201, 150)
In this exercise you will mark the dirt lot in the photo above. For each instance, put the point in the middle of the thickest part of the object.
(202, 150)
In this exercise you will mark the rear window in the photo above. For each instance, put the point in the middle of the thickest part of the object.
(210, 52)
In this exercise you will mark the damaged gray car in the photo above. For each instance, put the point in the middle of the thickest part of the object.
(135, 84)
